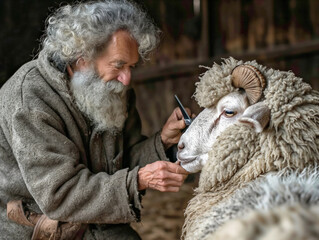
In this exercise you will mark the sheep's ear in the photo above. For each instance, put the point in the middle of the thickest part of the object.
(256, 115)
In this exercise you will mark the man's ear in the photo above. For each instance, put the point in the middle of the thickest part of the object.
(69, 69)
(257, 116)
(79, 65)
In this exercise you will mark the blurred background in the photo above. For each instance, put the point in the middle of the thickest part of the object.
(280, 34)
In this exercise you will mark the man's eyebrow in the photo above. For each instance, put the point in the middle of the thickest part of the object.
(120, 62)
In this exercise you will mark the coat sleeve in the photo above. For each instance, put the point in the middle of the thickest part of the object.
(64, 188)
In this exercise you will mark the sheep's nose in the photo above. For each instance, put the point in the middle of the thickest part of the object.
(180, 146)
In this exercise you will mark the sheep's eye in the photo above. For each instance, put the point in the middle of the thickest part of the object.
(229, 113)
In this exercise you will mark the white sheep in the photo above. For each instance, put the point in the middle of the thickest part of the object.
(284, 222)
(283, 198)
(256, 121)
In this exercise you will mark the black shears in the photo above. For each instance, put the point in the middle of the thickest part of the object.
(187, 118)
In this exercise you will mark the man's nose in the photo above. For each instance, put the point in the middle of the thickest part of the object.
(125, 76)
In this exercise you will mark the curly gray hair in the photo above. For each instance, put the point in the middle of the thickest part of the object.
(81, 30)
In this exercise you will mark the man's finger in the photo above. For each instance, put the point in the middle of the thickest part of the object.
(178, 113)
(180, 124)
(169, 189)
(167, 176)
(166, 188)
(189, 112)
(174, 168)
(166, 183)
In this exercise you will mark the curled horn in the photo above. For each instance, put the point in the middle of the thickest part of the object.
(251, 80)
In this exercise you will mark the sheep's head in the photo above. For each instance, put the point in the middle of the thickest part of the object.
(238, 106)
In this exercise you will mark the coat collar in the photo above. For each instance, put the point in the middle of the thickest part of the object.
(57, 79)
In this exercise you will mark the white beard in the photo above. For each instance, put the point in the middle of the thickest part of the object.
(104, 103)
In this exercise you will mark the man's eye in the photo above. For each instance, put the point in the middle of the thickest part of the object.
(118, 66)
(229, 113)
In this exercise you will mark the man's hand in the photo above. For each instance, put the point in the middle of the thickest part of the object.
(171, 131)
(161, 175)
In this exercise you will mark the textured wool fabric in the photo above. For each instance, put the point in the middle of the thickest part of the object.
(240, 155)
(58, 165)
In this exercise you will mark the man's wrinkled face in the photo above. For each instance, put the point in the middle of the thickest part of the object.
(118, 58)
(99, 87)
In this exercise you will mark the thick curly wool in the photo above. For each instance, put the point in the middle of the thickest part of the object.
(284, 223)
(289, 188)
(216, 82)
(240, 155)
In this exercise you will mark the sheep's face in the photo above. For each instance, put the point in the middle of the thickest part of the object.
(198, 139)
(200, 136)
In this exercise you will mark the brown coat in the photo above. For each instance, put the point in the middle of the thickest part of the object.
(54, 162)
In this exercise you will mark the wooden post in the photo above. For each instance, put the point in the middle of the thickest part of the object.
(203, 48)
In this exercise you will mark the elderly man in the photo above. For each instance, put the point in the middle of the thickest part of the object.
(73, 161)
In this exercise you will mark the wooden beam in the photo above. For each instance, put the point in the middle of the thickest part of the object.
(151, 73)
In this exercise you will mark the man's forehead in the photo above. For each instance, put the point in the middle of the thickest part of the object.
(122, 48)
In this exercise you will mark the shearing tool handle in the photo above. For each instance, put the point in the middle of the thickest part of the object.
(187, 118)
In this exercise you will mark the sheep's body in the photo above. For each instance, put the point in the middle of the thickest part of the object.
(240, 155)
(281, 223)
(262, 195)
